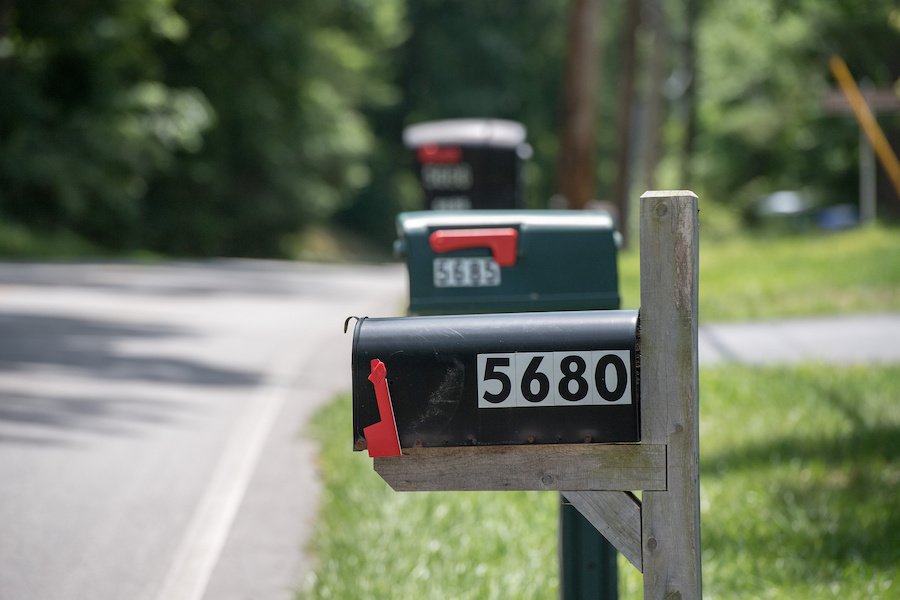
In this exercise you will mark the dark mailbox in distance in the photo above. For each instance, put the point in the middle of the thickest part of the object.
(507, 261)
(498, 379)
(467, 164)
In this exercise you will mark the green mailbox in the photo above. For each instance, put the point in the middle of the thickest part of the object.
(508, 261)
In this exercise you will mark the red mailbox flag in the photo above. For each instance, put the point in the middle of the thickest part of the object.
(382, 438)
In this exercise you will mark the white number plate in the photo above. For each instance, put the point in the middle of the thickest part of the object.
(466, 272)
(447, 177)
(577, 378)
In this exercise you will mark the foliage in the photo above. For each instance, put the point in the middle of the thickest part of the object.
(19, 242)
(798, 472)
(196, 128)
(763, 73)
(84, 119)
(287, 81)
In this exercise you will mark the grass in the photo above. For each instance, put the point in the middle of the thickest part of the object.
(759, 277)
(800, 469)
(333, 244)
(372, 542)
(18, 242)
(799, 475)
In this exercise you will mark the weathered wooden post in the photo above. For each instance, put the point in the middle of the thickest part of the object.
(670, 391)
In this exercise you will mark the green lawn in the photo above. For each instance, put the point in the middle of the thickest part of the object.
(17, 242)
(800, 471)
(752, 277)
(375, 543)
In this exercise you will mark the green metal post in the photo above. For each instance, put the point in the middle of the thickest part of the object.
(587, 560)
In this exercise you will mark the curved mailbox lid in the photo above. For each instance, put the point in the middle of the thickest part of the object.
(447, 373)
(497, 133)
(420, 221)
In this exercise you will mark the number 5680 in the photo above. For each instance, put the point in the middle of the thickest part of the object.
(569, 378)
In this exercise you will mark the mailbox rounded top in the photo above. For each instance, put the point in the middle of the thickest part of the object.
(564, 219)
(497, 133)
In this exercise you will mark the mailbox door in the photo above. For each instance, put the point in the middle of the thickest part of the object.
(501, 379)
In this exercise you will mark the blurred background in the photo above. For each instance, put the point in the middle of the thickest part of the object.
(199, 128)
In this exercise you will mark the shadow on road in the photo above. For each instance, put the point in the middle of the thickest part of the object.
(65, 374)
(46, 416)
(90, 346)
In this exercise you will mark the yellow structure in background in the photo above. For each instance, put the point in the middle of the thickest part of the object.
(866, 120)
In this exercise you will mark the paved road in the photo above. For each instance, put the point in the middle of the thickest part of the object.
(841, 340)
(151, 440)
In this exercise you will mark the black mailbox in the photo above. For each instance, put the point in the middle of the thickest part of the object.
(495, 379)
(469, 163)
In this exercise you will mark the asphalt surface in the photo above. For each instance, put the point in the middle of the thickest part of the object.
(152, 441)
(152, 417)
(840, 340)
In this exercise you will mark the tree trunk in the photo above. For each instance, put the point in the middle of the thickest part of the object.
(690, 93)
(6, 8)
(575, 177)
(623, 118)
(657, 74)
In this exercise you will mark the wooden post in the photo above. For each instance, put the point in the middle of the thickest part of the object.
(670, 392)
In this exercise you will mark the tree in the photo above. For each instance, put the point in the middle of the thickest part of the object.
(621, 188)
(216, 129)
(763, 69)
(288, 81)
(85, 121)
